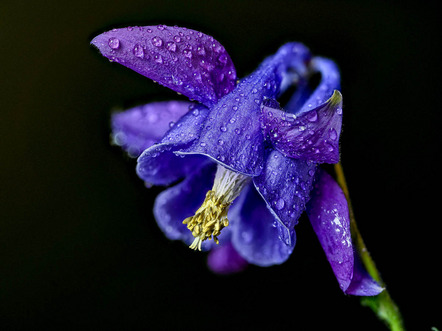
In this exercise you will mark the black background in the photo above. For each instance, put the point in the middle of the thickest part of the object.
(79, 247)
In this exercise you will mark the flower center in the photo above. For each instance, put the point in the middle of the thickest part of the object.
(211, 217)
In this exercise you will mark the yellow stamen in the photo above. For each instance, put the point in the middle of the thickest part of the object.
(211, 217)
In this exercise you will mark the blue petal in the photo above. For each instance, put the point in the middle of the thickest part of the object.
(330, 81)
(329, 216)
(184, 60)
(175, 204)
(311, 135)
(224, 259)
(159, 165)
(285, 185)
(140, 127)
(232, 135)
(256, 232)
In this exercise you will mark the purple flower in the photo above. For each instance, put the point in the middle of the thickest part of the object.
(243, 168)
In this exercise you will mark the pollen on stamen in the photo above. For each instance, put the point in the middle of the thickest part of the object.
(211, 217)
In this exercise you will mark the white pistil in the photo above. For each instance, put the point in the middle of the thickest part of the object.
(211, 217)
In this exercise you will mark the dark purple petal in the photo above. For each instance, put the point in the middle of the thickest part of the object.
(232, 135)
(224, 259)
(175, 204)
(140, 127)
(159, 165)
(312, 135)
(285, 185)
(256, 233)
(184, 60)
(330, 81)
(329, 216)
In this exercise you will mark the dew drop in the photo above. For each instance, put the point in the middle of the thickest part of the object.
(114, 43)
(203, 144)
(138, 51)
(187, 53)
(177, 39)
(171, 46)
(333, 134)
(223, 58)
(158, 59)
(312, 116)
(220, 142)
(161, 27)
(157, 41)
(223, 128)
(279, 204)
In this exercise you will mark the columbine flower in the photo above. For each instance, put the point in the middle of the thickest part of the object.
(248, 168)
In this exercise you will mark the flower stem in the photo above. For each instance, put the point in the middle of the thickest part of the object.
(382, 304)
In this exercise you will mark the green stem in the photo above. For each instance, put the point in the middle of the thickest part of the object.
(382, 304)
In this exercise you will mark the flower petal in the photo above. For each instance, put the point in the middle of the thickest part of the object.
(157, 165)
(184, 60)
(256, 233)
(312, 135)
(140, 127)
(285, 185)
(330, 81)
(329, 216)
(232, 135)
(175, 204)
(224, 259)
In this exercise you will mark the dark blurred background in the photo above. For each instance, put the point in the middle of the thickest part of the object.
(79, 248)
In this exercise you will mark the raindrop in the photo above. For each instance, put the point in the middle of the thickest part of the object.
(187, 53)
(158, 59)
(203, 144)
(339, 111)
(157, 41)
(200, 50)
(138, 51)
(161, 27)
(177, 39)
(220, 142)
(313, 116)
(223, 128)
(171, 46)
(196, 112)
(311, 172)
(223, 58)
(333, 134)
(114, 43)
(279, 204)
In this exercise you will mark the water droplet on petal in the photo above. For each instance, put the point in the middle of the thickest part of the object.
(138, 51)
(171, 46)
(158, 59)
(223, 58)
(223, 128)
(279, 204)
(312, 116)
(114, 43)
(333, 134)
(161, 27)
(220, 142)
(157, 41)
(177, 39)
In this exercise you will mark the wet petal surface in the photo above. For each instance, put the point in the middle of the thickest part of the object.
(184, 60)
(159, 164)
(232, 134)
(285, 184)
(312, 135)
(329, 216)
